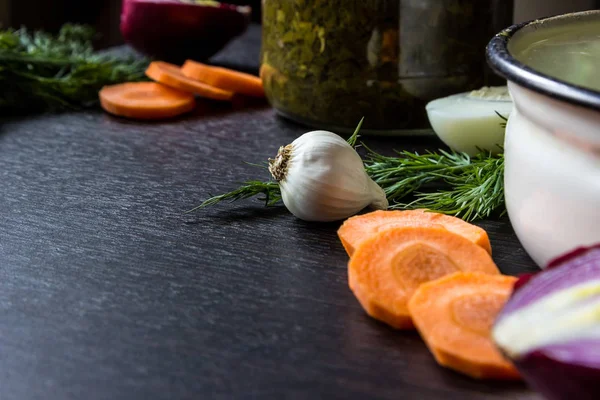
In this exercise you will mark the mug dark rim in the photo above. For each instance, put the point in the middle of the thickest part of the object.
(505, 65)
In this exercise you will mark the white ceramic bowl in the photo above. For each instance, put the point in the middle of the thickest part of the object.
(552, 148)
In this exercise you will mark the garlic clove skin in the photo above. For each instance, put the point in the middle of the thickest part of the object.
(322, 178)
(381, 201)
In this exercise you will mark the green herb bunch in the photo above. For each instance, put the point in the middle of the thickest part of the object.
(40, 71)
(447, 182)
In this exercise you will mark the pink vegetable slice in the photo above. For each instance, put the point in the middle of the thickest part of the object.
(550, 327)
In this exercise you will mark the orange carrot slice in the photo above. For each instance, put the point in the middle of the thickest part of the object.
(223, 78)
(387, 268)
(145, 100)
(170, 75)
(454, 316)
(358, 228)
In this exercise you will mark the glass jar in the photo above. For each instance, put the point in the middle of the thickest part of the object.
(328, 63)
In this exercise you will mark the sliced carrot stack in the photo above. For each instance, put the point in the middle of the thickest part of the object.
(387, 268)
(171, 75)
(356, 229)
(145, 100)
(454, 316)
(223, 78)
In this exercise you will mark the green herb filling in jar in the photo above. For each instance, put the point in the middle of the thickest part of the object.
(328, 63)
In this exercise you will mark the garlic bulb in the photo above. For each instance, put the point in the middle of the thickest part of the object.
(322, 178)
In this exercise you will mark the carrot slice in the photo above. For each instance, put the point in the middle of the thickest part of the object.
(170, 75)
(386, 269)
(145, 100)
(226, 79)
(454, 316)
(358, 228)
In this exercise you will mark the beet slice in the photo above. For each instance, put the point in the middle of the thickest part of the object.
(177, 30)
(550, 327)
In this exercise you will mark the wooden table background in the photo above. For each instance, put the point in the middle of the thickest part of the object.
(109, 291)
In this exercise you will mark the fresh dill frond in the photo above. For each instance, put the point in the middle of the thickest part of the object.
(270, 190)
(406, 172)
(476, 192)
(40, 71)
(452, 183)
(448, 182)
(354, 137)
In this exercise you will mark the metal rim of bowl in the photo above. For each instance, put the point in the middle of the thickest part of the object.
(504, 64)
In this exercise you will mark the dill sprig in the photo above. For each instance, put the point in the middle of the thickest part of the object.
(448, 182)
(405, 173)
(40, 71)
(354, 137)
(476, 192)
(270, 190)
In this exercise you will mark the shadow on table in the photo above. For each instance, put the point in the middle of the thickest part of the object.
(237, 214)
(204, 109)
(507, 388)
(207, 108)
(307, 226)
(380, 143)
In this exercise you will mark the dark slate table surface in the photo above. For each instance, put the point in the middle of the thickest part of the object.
(108, 291)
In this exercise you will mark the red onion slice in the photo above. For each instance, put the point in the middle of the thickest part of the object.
(550, 327)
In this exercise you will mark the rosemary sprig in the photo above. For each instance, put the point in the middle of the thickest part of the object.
(39, 71)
